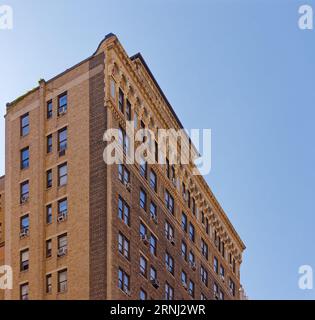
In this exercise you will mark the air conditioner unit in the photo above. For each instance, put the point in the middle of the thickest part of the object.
(62, 216)
(62, 251)
(128, 186)
(155, 283)
(24, 233)
(144, 238)
(24, 198)
(62, 111)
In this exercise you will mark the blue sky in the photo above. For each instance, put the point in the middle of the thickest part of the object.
(242, 68)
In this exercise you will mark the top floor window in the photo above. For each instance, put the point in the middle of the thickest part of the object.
(62, 103)
(49, 109)
(121, 100)
(25, 125)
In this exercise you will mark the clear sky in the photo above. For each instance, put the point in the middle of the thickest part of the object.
(242, 68)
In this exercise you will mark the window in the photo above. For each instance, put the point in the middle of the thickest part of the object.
(191, 288)
(24, 189)
(62, 209)
(112, 89)
(234, 266)
(169, 292)
(123, 140)
(25, 158)
(123, 174)
(221, 295)
(123, 246)
(188, 198)
(143, 266)
(49, 109)
(143, 230)
(184, 222)
(222, 249)
(62, 174)
(121, 100)
(232, 287)
(24, 291)
(207, 226)
(49, 143)
(204, 275)
(184, 191)
(215, 265)
(128, 111)
(143, 199)
(183, 278)
(24, 260)
(24, 225)
(216, 290)
(123, 211)
(123, 281)
(184, 250)
(222, 272)
(156, 149)
(49, 178)
(169, 202)
(62, 103)
(153, 183)
(169, 231)
(153, 274)
(49, 214)
(191, 232)
(153, 244)
(191, 258)
(25, 125)
(168, 168)
(153, 211)
(193, 206)
(142, 295)
(204, 249)
(62, 140)
(48, 283)
(143, 168)
(169, 262)
(48, 248)
(62, 281)
(62, 245)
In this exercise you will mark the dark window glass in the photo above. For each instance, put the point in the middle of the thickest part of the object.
(25, 125)
(49, 109)
(62, 103)
(25, 158)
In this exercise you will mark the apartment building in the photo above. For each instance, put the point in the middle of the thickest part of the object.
(77, 228)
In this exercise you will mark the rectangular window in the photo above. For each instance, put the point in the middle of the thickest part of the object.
(62, 245)
(191, 258)
(191, 288)
(49, 143)
(24, 260)
(49, 109)
(194, 206)
(143, 266)
(204, 275)
(215, 265)
(48, 283)
(123, 281)
(62, 281)
(156, 152)
(169, 292)
(62, 141)
(123, 246)
(128, 111)
(168, 168)
(184, 278)
(143, 200)
(24, 291)
(232, 287)
(153, 274)
(123, 140)
(153, 183)
(191, 232)
(123, 211)
(169, 202)
(123, 174)
(62, 174)
(222, 272)
(142, 295)
(48, 248)
(24, 225)
(62, 209)
(25, 158)
(25, 125)
(62, 104)
(153, 211)
(143, 168)
(169, 262)
(184, 250)
(153, 244)
(49, 178)
(49, 214)
(169, 231)
(184, 222)
(24, 191)
(204, 249)
(121, 100)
